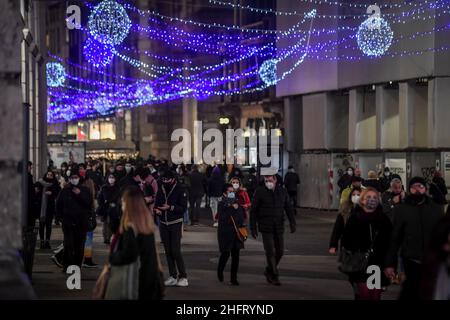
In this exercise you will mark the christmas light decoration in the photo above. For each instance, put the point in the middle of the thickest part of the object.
(268, 72)
(98, 54)
(374, 36)
(56, 74)
(109, 22)
(103, 106)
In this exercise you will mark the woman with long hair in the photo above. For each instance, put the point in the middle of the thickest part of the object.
(136, 239)
(368, 230)
(344, 213)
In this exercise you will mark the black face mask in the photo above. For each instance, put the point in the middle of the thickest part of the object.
(418, 197)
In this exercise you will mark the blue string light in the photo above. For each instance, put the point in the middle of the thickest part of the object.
(268, 72)
(56, 74)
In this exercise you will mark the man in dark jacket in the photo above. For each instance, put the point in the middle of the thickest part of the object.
(393, 197)
(170, 205)
(270, 203)
(385, 180)
(95, 174)
(73, 206)
(413, 224)
(197, 189)
(251, 182)
(291, 181)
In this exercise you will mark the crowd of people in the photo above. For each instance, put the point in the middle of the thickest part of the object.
(133, 198)
(403, 231)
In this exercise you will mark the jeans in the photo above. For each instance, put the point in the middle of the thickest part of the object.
(274, 248)
(186, 217)
(88, 245)
(234, 262)
(171, 237)
(74, 238)
(214, 206)
(194, 206)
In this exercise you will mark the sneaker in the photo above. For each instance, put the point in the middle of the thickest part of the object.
(216, 224)
(56, 261)
(182, 282)
(170, 282)
(58, 249)
(89, 264)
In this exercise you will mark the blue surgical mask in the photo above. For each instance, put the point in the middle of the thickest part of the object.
(231, 195)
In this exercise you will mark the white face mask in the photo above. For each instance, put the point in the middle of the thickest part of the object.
(127, 169)
(235, 186)
(270, 185)
(68, 173)
(74, 181)
(355, 199)
(350, 172)
(111, 180)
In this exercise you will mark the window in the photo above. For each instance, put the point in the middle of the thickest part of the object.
(94, 130)
(107, 130)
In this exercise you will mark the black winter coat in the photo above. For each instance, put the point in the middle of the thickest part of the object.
(197, 184)
(226, 233)
(130, 247)
(251, 183)
(74, 209)
(215, 185)
(96, 176)
(176, 198)
(108, 201)
(357, 237)
(291, 180)
(338, 229)
(269, 208)
(412, 229)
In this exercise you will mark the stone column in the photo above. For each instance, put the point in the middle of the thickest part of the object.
(13, 283)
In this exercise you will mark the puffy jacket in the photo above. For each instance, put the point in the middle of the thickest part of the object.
(176, 198)
(269, 208)
(413, 227)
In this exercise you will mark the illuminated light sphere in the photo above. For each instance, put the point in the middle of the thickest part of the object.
(98, 54)
(109, 22)
(103, 106)
(374, 36)
(268, 72)
(56, 74)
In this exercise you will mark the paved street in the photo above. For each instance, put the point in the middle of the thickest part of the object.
(307, 271)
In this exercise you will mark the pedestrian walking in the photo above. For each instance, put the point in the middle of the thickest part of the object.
(108, 207)
(365, 243)
(345, 211)
(241, 196)
(49, 190)
(372, 181)
(385, 179)
(230, 218)
(215, 191)
(136, 243)
(356, 184)
(251, 182)
(291, 182)
(413, 225)
(73, 205)
(92, 223)
(170, 205)
(197, 189)
(269, 207)
(393, 197)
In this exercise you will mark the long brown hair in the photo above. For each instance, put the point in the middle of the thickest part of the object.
(135, 212)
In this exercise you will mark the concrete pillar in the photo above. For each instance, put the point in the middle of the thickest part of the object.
(413, 115)
(13, 284)
(189, 117)
(293, 124)
(314, 121)
(354, 114)
(406, 115)
(438, 113)
(387, 110)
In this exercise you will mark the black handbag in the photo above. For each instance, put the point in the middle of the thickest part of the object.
(354, 262)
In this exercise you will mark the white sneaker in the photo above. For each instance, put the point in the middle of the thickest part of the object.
(182, 282)
(170, 282)
(216, 224)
